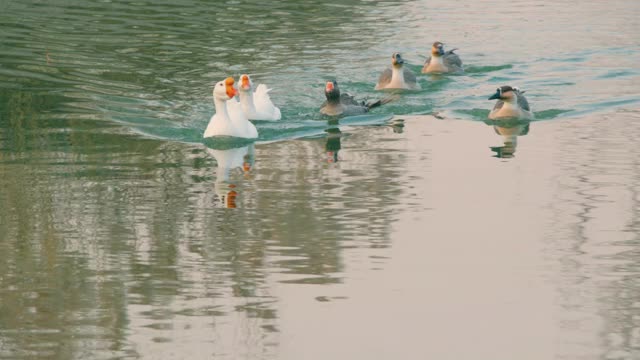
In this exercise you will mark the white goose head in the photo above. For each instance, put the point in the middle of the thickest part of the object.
(224, 90)
(245, 83)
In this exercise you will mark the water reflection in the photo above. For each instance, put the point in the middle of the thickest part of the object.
(110, 245)
(333, 145)
(596, 206)
(228, 161)
(397, 125)
(509, 130)
(127, 242)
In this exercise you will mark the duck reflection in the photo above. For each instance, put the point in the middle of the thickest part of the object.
(333, 144)
(509, 130)
(397, 125)
(238, 159)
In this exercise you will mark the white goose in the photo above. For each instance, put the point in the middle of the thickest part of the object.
(257, 105)
(229, 119)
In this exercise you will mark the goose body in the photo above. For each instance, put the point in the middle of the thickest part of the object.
(441, 61)
(511, 104)
(397, 77)
(229, 119)
(257, 105)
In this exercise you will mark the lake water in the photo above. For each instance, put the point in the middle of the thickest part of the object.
(419, 231)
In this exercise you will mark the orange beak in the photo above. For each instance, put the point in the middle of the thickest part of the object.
(244, 82)
(231, 199)
(329, 86)
(231, 91)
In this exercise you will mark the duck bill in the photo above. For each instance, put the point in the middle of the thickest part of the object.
(329, 87)
(231, 92)
(495, 96)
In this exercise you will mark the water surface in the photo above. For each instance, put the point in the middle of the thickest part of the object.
(124, 235)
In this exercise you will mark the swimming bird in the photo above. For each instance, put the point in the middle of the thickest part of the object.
(229, 119)
(511, 104)
(442, 61)
(344, 104)
(257, 105)
(397, 77)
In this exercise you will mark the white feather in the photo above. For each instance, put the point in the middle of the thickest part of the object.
(263, 108)
(229, 119)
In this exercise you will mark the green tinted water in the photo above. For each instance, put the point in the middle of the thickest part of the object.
(349, 239)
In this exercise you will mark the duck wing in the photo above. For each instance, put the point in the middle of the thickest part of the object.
(384, 79)
(384, 100)
(351, 110)
(426, 64)
(452, 60)
(348, 99)
(348, 105)
(522, 102)
(409, 76)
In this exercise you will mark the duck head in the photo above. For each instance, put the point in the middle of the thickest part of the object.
(397, 60)
(224, 90)
(245, 83)
(505, 93)
(331, 91)
(437, 49)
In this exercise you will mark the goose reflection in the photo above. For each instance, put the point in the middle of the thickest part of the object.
(509, 130)
(333, 144)
(239, 160)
